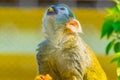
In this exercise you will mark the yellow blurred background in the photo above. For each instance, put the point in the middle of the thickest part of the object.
(20, 33)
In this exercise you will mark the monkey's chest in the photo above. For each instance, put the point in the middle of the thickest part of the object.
(61, 60)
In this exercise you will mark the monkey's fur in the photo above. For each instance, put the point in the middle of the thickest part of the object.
(64, 55)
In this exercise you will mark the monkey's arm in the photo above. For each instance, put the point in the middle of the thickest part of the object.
(46, 61)
(68, 66)
(95, 72)
(42, 58)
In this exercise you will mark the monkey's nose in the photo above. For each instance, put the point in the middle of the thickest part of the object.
(52, 10)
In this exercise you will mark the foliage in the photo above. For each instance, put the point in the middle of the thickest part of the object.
(111, 28)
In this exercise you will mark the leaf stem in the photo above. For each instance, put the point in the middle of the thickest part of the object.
(118, 36)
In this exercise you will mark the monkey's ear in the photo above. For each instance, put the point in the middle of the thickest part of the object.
(74, 26)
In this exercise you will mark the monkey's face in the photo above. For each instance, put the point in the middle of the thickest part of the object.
(60, 18)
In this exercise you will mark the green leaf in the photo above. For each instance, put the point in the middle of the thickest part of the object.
(118, 78)
(113, 11)
(118, 69)
(117, 47)
(116, 9)
(116, 57)
(107, 28)
(116, 26)
(118, 6)
(110, 12)
(116, 54)
(116, 1)
(109, 46)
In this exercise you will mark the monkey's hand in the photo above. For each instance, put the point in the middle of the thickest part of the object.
(43, 77)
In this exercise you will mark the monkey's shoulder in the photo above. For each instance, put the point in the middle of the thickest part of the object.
(43, 47)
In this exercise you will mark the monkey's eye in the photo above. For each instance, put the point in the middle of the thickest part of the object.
(62, 8)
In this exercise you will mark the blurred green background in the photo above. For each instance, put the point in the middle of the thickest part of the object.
(20, 33)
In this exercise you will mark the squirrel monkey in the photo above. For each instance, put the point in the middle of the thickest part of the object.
(63, 54)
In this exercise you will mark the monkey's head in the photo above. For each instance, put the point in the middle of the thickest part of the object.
(59, 20)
